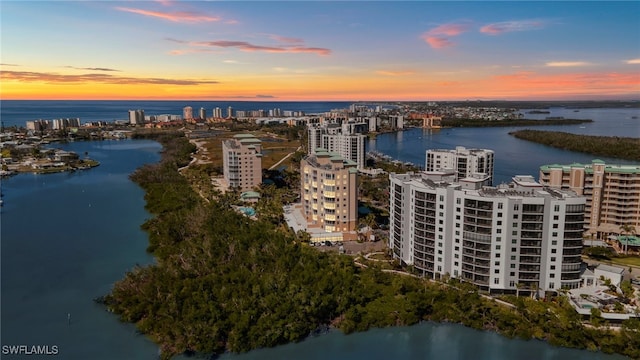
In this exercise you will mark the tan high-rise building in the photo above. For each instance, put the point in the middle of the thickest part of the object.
(329, 192)
(612, 192)
(242, 162)
(187, 113)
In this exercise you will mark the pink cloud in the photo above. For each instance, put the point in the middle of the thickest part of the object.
(438, 37)
(175, 16)
(510, 26)
(437, 42)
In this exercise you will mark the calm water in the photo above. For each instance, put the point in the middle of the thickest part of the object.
(17, 112)
(66, 238)
(512, 156)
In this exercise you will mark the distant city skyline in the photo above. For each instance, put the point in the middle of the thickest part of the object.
(320, 51)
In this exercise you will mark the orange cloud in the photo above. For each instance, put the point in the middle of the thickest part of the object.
(176, 16)
(29, 76)
(633, 61)
(395, 73)
(437, 37)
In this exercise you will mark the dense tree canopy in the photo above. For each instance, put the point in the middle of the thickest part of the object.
(223, 282)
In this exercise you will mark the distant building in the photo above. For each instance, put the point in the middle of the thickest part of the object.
(136, 117)
(462, 163)
(229, 112)
(329, 192)
(242, 162)
(217, 113)
(338, 139)
(203, 113)
(503, 239)
(187, 113)
(612, 192)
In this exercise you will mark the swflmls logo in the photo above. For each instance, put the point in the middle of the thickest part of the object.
(29, 350)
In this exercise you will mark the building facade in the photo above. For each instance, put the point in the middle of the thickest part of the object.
(242, 162)
(329, 192)
(136, 117)
(612, 192)
(187, 113)
(340, 139)
(463, 162)
(520, 236)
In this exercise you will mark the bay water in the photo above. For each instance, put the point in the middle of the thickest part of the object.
(67, 237)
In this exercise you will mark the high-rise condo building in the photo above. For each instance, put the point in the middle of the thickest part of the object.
(217, 113)
(503, 239)
(229, 112)
(203, 113)
(462, 162)
(329, 192)
(242, 162)
(339, 139)
(136, 117)
(187, 113)
(612, 192)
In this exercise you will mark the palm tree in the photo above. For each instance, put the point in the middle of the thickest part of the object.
(627, 229)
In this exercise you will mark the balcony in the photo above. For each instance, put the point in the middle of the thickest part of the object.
(330, 194)
(330, 217)
(329, 182)
(330, 205)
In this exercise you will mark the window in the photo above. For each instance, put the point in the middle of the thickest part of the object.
(496, 280)
(553, 251)
(512, 283)
(555, 233)
(554, 242)
(498, 238)
(457, 232)
(457, 248)
(514, 224)
(497, 247)
(515, 216)
(500, 215)
(516, 207)
(499, 222)
(498, 231)
(556, 208)
(439, 268)
(553, 258)
(512, 274)
(551, 285)
(499, 205)
(513, 266)
(497, 263)
(513, 257)
(439, 259)
(514, 241)
(514, 232)
(553, 267)
(514, 249)
(439, 252)
(441, 206)
(458, 201)
(456, 256)
(552, 275)
(497, 255)
(556, 217)
(555, 226)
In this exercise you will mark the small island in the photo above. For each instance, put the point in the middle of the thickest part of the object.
(610, 146)
(31, 158)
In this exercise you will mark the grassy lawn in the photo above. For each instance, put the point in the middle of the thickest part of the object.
(273, 149)
(629, 260)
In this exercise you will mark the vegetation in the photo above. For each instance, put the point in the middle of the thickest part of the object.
(223, 282)
(608, 146)
(510, 122)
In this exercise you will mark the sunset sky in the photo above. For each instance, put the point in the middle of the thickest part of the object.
(317, 50)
